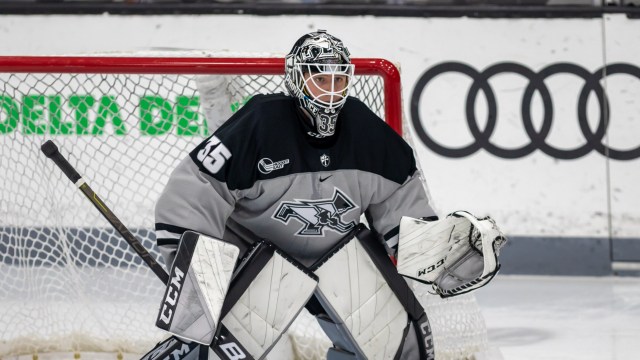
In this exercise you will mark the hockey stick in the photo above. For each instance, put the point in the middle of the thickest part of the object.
(232, 348)
(50, 149)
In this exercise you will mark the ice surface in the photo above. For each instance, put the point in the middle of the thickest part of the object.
(563, 318)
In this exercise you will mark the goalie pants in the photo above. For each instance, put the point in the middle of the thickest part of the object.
(365, 307)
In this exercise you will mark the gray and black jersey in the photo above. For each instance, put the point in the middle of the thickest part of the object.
(260, 175)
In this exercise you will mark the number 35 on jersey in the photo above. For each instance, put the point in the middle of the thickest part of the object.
(214, 155)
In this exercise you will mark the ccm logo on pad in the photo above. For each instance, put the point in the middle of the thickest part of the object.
(170, 299)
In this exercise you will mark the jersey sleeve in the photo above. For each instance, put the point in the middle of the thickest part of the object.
(192, 200)
(203, 189)
(410, 199)
(402, 192)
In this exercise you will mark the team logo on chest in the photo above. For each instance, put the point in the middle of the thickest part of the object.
(324, 160)
(318, 215)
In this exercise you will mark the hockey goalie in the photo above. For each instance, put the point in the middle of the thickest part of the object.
(263, 218)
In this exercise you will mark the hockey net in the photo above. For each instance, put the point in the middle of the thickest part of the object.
(68, 282)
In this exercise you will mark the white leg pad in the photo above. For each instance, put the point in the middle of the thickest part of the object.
(357, 293)
(269, 305)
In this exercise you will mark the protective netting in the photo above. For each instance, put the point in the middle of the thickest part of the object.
(68, 281)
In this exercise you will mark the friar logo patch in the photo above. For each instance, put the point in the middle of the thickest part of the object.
(325, 160)
(318, 215)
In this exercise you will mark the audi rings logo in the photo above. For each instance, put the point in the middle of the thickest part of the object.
(593, 140)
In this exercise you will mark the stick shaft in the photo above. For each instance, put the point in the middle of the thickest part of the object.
(52, 152)
(126, 234)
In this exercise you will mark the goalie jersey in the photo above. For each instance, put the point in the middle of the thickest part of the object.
(260, 175)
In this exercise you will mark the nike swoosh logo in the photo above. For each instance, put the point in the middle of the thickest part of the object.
(321, 179)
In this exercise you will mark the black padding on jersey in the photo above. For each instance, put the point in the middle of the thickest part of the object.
(268, 127)
(171, 228)
(391, 233)
(167, 241)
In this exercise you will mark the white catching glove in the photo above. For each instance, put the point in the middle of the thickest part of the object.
(456, 255)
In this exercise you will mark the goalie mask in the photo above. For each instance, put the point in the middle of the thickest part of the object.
(318, 72)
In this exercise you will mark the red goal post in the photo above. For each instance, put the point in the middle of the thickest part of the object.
(223, 66)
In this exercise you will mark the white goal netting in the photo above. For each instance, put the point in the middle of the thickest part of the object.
(68, 282)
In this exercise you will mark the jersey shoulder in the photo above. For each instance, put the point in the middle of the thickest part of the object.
(359, 117)
(231, 153)
(381, 149)
(259, 112)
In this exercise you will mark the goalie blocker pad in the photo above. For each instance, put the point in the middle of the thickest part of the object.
(199, 280)
(369, 311)
(455, 255)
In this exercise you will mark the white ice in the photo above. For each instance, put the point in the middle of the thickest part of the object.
(563, 318)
